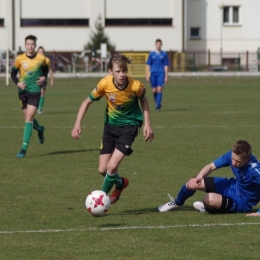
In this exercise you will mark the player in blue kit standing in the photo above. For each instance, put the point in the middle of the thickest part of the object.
(157, 72)
(233, 195)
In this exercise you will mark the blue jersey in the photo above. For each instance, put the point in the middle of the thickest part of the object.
(157, 61)
(247, 183)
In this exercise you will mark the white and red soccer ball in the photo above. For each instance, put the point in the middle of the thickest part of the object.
(97, 203)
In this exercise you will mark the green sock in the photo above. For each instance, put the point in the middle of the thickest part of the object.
(108, 183)
(27, 134)
(36, 125)
(41, 103)
(118, 182)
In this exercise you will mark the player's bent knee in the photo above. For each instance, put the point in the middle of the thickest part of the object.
(112, 168)
(207, 200)
(102, 170)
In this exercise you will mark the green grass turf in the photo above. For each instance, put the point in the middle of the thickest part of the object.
(201, 118)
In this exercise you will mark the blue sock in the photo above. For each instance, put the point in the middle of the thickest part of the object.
(158, 100)
(183, 195)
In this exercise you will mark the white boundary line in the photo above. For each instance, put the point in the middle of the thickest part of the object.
(157, 126)
(126, 228)
(170, 74)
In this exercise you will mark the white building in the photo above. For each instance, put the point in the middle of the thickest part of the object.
(65, 25)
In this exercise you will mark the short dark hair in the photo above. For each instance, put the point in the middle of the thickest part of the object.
(242, 148)
(120, 59)
(158, 40)
(40, 47)
(31, 37)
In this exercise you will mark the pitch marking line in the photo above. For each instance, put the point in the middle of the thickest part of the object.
(157, 126)
(125, 228)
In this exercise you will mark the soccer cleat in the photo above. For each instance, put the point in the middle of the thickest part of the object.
(158, 109)
(198, 205)
(39, 111)
(169, 206)
(41, 135)
(21, 154)
(114, 197)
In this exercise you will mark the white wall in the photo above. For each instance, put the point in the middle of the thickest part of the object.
(140, 9)
(205, 14)
(55, 9)
(74, 38)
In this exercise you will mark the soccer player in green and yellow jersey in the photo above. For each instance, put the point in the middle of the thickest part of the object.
(123, 118)
(33, 72)
(44, 85)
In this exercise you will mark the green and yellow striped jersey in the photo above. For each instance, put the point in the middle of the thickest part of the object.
(122, 105)
(30, 70)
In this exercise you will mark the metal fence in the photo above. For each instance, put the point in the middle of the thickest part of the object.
(197, 61)
(214, 61)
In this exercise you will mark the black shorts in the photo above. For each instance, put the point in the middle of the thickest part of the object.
(119, 137)
(32, 99)
(227, 201)
(44, 85)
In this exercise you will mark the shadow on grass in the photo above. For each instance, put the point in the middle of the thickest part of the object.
(177, 110)
(72, 151)
(150, 210)
(55, 112)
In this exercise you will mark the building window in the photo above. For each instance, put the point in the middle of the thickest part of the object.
(54, 22)
(195, 33)
(231, 15)
(139, 22)
(1, 22)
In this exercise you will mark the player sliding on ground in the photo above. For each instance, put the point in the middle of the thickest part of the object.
(239, 194)
(123, 118)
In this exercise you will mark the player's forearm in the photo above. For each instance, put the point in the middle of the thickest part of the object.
(45, 71)
(146, 110)
(205, 171)
(14, 76)
(147, 70)
(82, 111)
(51, 74)
(166, 71)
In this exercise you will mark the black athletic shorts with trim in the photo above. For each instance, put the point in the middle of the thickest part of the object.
(119, 137)
(227, 205)
(29, 98)
(44, 85)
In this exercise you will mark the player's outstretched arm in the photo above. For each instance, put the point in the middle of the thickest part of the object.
(166, 74)
(76, 131)
(51, 77)
(147, 73)
(147, 130)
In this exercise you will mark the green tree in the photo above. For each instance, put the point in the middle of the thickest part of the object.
(97, 37)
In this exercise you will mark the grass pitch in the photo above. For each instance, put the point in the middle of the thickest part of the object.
(42, 196)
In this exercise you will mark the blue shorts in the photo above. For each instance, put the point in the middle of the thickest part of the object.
(227, 187)
(157, 79)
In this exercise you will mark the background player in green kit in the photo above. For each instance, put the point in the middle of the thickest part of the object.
(33, 72)
(123, 118)
(44, 85)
